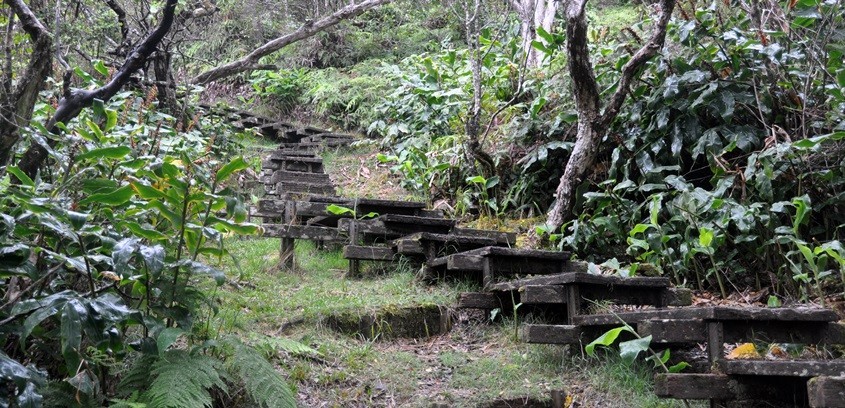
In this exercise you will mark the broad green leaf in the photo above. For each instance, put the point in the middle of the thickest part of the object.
(606, 339)
(167, 337)
(145, 233)
(116, 197)
(339, 210)
(235, 165)
(629, 350)
(117, 152)
(20, 175)
(71, 333)
(677, 368)
(705, 237)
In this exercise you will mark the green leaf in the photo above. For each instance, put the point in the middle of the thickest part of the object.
(113, 153)
(339, 210)
(71, 333)
(705, 237)
(773, 302)
(114, 198)
(167, 337)
(629, 350)
(20, 175)
(235, 165)
(101, 68)
(606, 339)
(808, 255)
(677, 368)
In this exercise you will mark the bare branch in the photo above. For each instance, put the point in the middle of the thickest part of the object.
(250, 62)
(70, 106)
(640, 58)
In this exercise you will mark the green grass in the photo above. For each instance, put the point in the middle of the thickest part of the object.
(475, 363)
(318, 288)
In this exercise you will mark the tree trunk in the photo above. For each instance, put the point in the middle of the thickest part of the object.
(473, 126)
(592, 125)
(251, 61)
(73, 102)
(16, 110)
(534, 14)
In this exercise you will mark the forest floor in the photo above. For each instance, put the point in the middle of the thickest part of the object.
(478, 362)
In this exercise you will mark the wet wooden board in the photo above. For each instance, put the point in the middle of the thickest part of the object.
(423, 243)
(410, 223)
(296, 176)
(303, 187)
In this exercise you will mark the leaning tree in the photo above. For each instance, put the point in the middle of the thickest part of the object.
(593, 122)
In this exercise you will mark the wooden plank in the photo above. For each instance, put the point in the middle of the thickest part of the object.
(775, 314)
(583, 278)
(502, 238)
(673, 331)
(311, 233)
(693, 386)
(551, 334)
(281, 157)
(786, 368)
(540, 294)
(369, 253)
(299, 177)
(676, 297)
(368, 202)
(826, 392)
(271, 206)
(461, 262)
(715, 342)
(639, 316)
(286, 254)
(478, 300)
(497, 251)
(409, 247)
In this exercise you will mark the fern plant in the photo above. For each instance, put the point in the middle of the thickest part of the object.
(180, 378)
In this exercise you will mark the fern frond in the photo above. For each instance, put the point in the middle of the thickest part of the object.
(288, 346)
(137, 378)
(183, 380)
(263, 384)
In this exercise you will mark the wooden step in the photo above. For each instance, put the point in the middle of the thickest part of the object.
(718, 313)
(478, 300)
(304, 187)
(785, 368)
(422, 242)
(302, 232)
(826, 392)
(688, 331)
(502, 238)
(366, 253)
(296, 176)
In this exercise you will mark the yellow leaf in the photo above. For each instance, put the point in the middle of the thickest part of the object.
(745, 351)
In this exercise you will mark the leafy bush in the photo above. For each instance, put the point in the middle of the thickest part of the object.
(102, 257)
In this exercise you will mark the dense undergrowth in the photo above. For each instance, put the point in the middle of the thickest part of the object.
(724, 171)
(105, 257)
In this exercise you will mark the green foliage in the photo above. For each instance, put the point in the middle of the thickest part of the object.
(110, 244)
(183, 379)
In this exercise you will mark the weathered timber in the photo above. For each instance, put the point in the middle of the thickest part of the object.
(784, 368)
(693, 386)
(520, 253)
(303, 187)
(365, 253)
(286, 254)
(431, 245)
(478, 300)
(551, 334)
(826, 392)
(718, 313)
(673, 330)
(502, 238)
(461, 262)
(735, 331)
(299, 177)
(411, 223)
(543, 294)
(271, 206)
(311, 233)
(574, 276)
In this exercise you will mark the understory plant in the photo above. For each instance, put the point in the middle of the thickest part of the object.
(107, 262)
